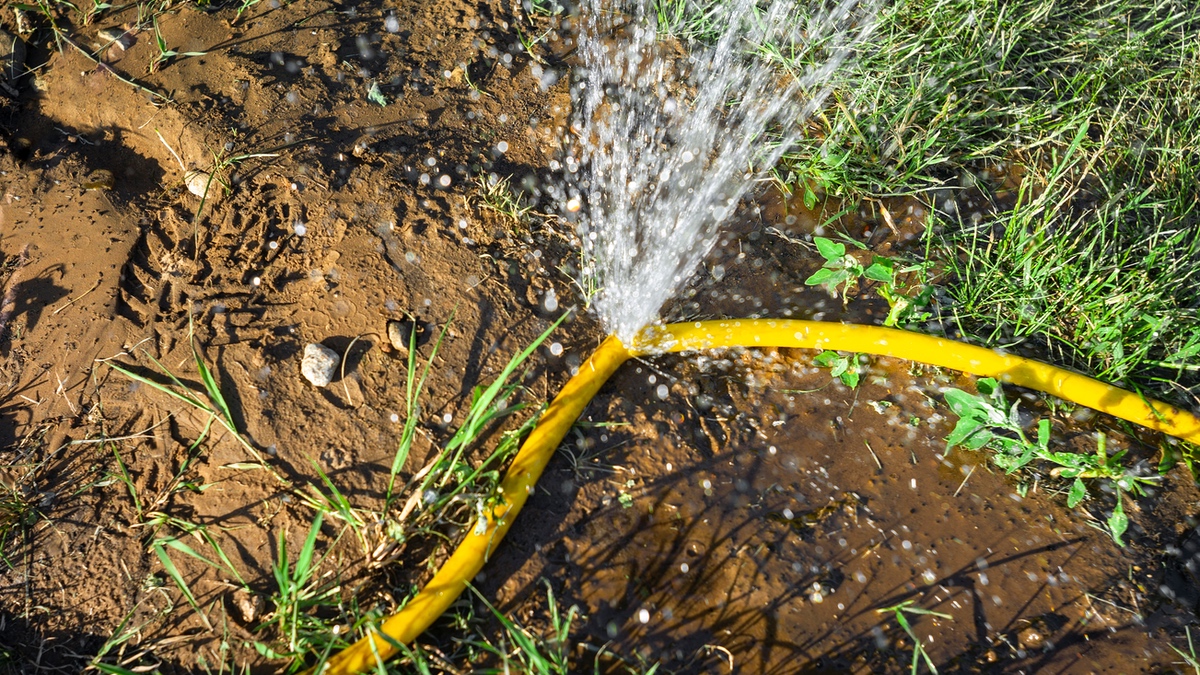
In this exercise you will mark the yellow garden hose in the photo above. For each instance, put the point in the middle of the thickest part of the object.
(468, 559)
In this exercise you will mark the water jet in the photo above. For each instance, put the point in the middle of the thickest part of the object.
(661, 157)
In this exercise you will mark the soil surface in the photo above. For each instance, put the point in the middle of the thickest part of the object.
(756, 519)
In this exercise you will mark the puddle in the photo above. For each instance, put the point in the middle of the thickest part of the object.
(766, 513)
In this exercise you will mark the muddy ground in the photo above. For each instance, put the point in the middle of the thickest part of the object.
(670, 531)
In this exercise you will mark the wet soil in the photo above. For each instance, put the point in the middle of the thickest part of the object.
(757, 519)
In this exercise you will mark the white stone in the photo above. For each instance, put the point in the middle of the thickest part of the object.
(319, 364)
(199, 183)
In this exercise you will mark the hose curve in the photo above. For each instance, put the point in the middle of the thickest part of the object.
(468, 559)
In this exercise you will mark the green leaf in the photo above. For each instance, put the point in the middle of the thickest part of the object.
(1188, 352)
(267, 651)
(210, 382)
(1078, 493)
(978, 440)
(987, 386)
(821, 276)
(1118, 522)
(810, 198)
(1170, 457)
(850, 378)
(303, 569)
(374, 95)
(829, 250)
(961, 403)
(962, 431)
(173, 572)
(880, 272)
(1043, 434)
(826, 359)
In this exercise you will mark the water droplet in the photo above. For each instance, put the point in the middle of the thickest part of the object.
(644, 615)
(556, 348)
(662, 392)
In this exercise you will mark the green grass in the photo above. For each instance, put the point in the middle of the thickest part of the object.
(1092, 107)
(313, 609)
(899, 613)
(1094, 265)
(209, 401)
(499, 196)
(18, 513)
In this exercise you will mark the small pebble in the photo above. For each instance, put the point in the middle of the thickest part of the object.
(115, 36)
(249, 605)
(1030, 638)
(319, 364)
(400, 334)
(199, 183)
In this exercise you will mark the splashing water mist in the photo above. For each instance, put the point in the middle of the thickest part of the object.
(667, 137)
(666, 145)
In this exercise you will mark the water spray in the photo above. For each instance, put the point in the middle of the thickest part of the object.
(665, 143)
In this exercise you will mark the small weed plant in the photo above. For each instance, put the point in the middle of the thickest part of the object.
(165, 53)
(842, 273)
(210, 402)
(529, 652)
(986, 420)
(498, 195)
(900, 612)
(845, 368)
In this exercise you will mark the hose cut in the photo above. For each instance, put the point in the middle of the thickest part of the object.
(468, 559)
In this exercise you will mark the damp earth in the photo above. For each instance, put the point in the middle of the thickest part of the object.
(371, 177)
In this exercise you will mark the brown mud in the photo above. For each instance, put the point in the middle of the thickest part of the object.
(757, 518)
